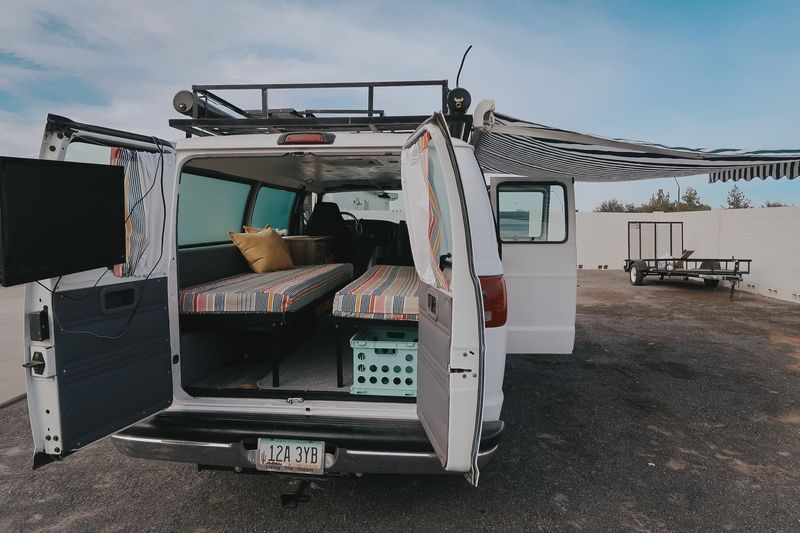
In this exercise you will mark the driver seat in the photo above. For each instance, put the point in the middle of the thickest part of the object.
(326, 220)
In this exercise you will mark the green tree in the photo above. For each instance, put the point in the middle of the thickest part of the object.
(737, 199)
(614, 206)
(658, 202)
(690, 201)
(775, 204)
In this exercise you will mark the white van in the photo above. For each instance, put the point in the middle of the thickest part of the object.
(183, 353)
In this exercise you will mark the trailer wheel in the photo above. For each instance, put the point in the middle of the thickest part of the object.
(636, 275)
(711, 282)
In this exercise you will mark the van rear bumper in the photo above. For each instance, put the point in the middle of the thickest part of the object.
(394, 448)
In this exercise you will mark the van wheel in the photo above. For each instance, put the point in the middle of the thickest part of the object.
(711, 282)
(636, 275)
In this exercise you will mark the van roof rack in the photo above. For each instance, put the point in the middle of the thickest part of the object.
(211, 114)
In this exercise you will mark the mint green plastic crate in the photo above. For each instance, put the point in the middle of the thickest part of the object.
(385, 361)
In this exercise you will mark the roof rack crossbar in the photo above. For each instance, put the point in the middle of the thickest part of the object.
(266, 119)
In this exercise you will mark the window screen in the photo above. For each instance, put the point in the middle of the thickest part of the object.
(209, 208)
(532, 212)
(273, 207)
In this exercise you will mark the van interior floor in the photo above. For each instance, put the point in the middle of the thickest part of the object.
(307, 364)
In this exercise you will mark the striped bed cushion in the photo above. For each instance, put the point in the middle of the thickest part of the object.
(384, 292)
(272, 292)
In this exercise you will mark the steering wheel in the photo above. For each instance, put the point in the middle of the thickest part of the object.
(359, 229)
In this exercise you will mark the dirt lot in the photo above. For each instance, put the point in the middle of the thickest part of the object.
(679, 410)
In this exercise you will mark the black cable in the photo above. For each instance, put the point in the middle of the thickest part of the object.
(458, 76)
(160, 257)
(130, 213)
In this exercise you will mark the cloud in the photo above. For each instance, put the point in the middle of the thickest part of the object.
(569, 64)
(122, 67)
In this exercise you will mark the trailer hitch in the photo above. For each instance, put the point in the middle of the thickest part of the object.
(289, 500)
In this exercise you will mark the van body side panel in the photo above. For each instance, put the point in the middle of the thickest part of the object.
(487, 262)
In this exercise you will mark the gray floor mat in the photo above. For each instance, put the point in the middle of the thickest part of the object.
(312, 365)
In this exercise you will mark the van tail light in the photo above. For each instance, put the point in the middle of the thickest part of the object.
(306, 138)
(495, 308)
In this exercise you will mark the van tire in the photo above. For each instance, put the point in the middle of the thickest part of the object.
(636, 275)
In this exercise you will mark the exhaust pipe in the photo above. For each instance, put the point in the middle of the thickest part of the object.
(185, 103)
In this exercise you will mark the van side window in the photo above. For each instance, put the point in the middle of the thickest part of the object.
(208, 208)
(532, 212)
(273, 207)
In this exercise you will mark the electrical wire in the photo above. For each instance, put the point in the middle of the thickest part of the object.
(458, 76)
(149, 274)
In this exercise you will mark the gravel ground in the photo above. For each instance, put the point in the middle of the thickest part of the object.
(678, 411)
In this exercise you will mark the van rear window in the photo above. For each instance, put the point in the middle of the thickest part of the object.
(273, 207)
(209, 208)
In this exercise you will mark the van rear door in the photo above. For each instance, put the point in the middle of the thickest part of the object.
(536, 231)
(451, 345)
(97, 342)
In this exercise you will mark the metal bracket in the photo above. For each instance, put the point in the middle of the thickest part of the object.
(36, 363)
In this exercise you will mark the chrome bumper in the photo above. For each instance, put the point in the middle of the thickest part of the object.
(234, 455)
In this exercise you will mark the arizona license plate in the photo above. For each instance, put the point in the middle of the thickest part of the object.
(287, 455)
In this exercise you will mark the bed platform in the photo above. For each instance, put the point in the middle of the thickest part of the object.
(271, 293)
(385, 294)
(265, 301)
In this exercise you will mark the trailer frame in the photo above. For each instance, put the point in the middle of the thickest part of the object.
(710, 270)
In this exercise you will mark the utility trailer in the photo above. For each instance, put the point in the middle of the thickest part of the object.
(664, 263)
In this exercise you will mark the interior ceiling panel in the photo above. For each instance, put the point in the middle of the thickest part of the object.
(314, 172)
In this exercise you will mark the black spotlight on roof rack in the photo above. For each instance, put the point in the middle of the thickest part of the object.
(458, 100)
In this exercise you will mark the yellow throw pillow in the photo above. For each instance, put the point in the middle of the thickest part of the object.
(264, 250)
(251, 229)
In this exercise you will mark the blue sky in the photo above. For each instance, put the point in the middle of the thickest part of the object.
(705, 74)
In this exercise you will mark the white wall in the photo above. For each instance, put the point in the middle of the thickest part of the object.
(768, 236)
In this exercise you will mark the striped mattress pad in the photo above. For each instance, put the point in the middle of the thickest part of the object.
(272, 292)
(384, 292)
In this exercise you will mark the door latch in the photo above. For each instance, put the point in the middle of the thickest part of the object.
(36, 363)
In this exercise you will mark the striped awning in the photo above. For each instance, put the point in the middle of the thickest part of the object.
(506, 145)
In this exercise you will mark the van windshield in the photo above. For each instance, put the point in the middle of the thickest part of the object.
(370, 204)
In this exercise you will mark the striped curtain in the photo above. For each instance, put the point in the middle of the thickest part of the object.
(423, 210)
(144, 208)
(434, 212)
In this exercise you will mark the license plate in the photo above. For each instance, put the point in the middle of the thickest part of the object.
(287, 455)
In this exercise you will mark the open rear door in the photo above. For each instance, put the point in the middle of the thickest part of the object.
(450, 366)
(97, 341)
(536, 231)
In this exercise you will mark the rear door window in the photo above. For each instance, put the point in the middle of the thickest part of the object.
(273, 207)
(208, 208)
